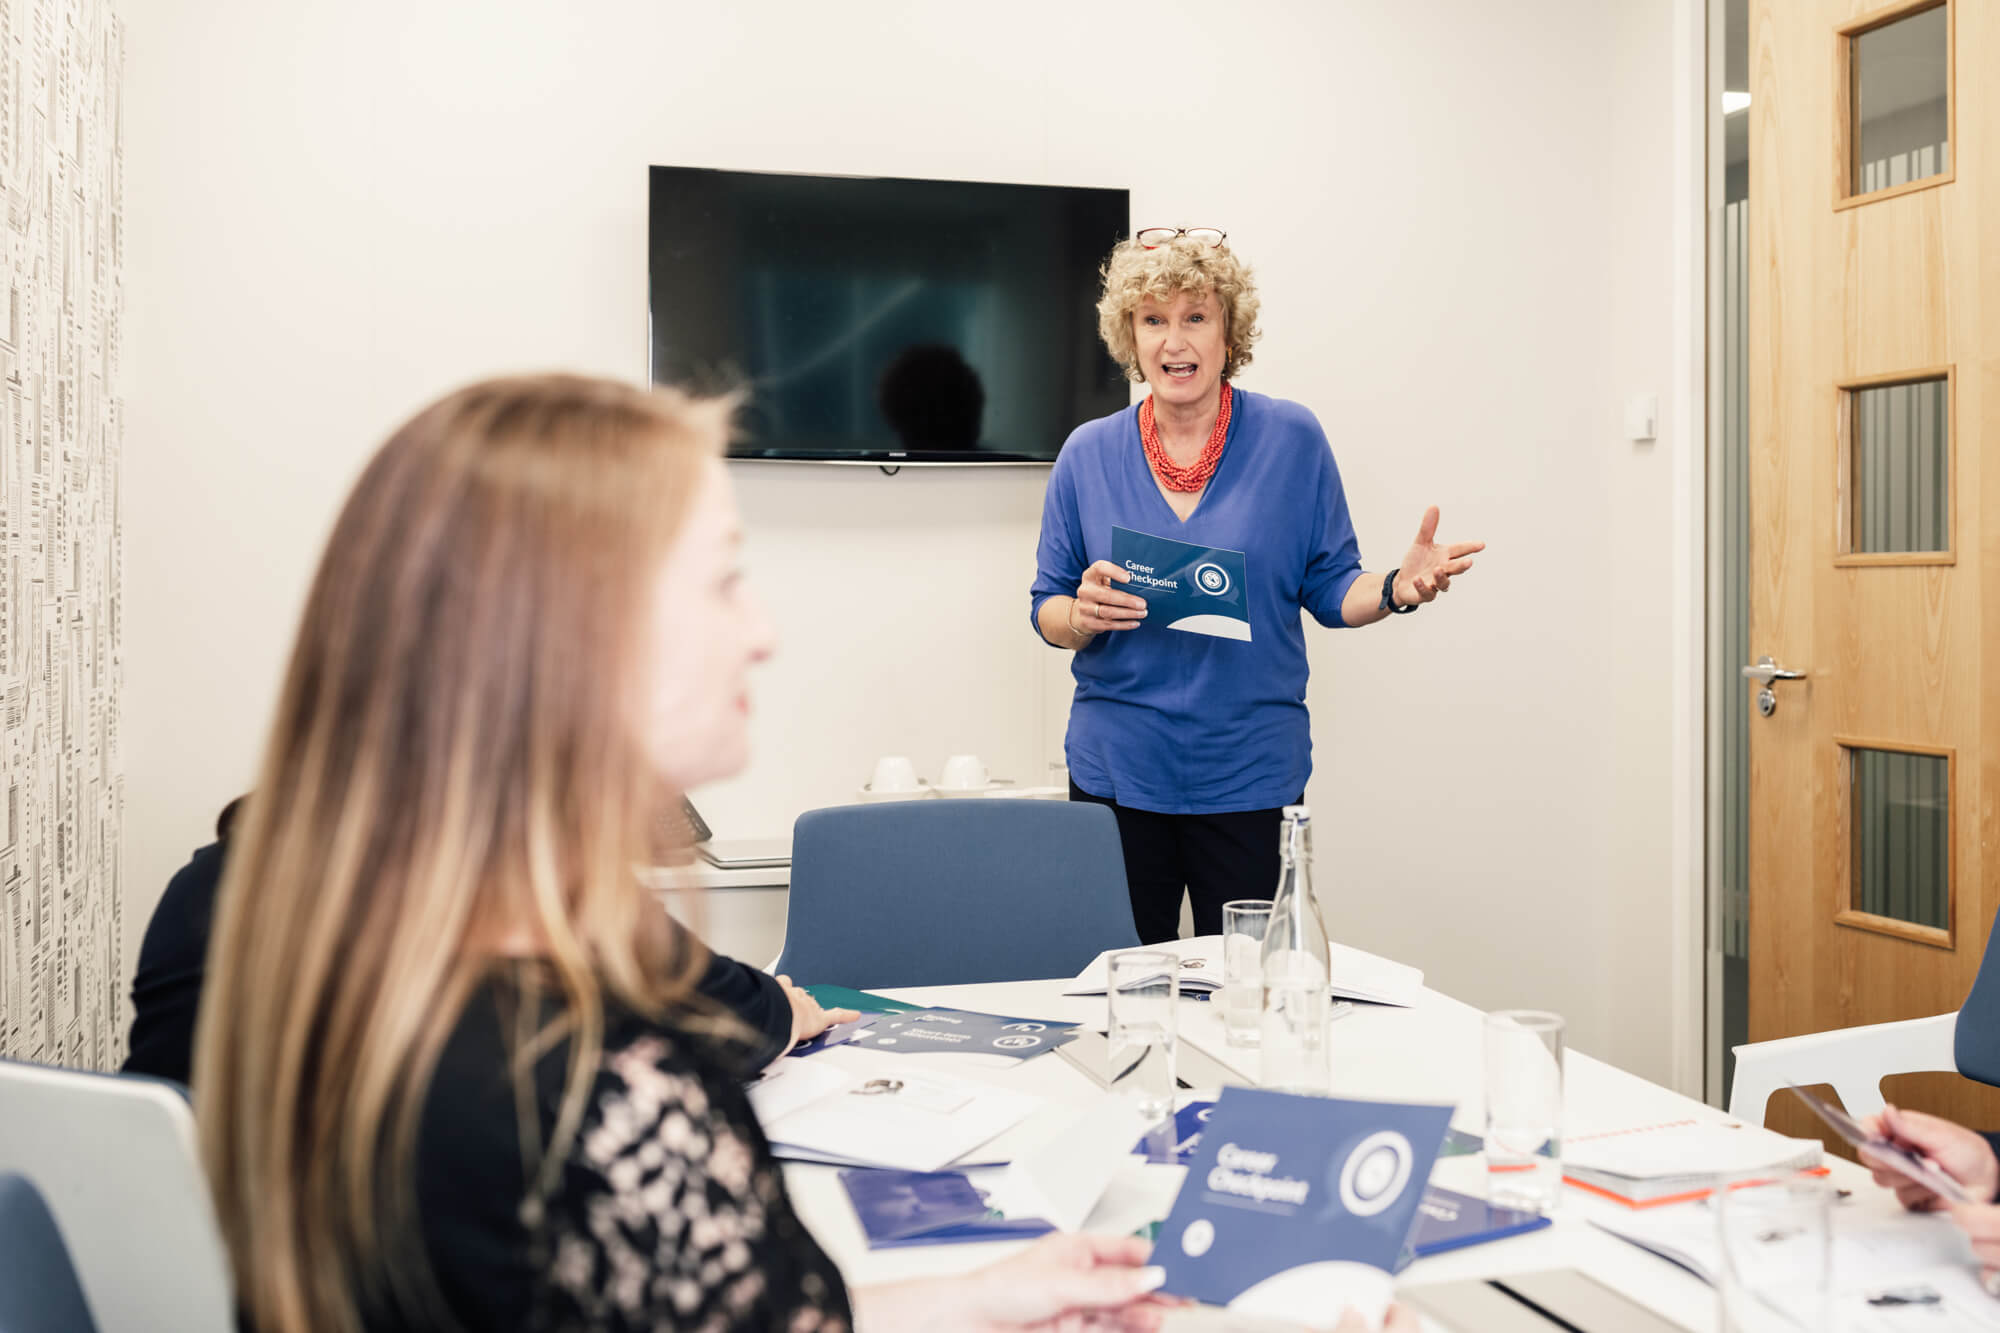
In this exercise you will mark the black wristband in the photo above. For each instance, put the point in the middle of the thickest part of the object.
(1389, 595)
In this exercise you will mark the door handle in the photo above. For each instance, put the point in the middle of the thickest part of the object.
(1767, 671)
(1764, 672)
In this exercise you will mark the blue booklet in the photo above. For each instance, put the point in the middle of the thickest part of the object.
(919, 1031)
(833, 1036)
(1296, 1205)
(904, 1208)
(1199, 589)
(1176, 1147)
(993, 1227)
(1448, 1220)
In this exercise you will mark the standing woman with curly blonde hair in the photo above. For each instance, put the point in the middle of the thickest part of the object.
(1197, 742)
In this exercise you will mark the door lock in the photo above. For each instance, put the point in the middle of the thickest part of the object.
(1765, 672)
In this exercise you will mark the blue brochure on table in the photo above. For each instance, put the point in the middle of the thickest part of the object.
(897, 1209)
(1199, 589)
(1448, 1220)
(833, 1036)
(1294, 1206)
(922, 1031)
(892, 1205)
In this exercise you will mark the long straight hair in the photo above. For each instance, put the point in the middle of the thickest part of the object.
(454, 761)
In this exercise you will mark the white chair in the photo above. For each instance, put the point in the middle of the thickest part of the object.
(115, 1158)
(1853, 1060)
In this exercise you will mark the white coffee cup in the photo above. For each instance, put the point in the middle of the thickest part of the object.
(963, 772)
(894, 773)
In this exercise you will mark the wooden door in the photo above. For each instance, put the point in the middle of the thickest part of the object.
(1875, 538)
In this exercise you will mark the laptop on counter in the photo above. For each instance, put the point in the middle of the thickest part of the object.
(735, 853)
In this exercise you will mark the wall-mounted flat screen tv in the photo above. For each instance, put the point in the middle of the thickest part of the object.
(880, 320)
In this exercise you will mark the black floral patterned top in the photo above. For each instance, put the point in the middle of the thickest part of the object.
(668, 1212)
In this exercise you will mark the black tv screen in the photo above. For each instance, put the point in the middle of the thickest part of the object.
(885, 320)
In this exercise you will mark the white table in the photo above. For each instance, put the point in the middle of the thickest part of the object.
(1430, 1053)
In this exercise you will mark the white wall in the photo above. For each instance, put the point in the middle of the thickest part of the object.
(1460, 215)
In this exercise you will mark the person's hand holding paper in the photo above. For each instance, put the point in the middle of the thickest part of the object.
(1101, 608)
(1058, 1284)
(1959, 1153)
(1198, 589)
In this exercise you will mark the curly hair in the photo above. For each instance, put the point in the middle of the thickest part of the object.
(1134, 272)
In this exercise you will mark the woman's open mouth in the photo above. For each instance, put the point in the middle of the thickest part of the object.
(1178, 370)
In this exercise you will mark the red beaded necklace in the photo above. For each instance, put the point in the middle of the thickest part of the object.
(1171, 474)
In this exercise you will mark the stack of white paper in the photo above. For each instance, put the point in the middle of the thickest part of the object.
(1357, 974)
(913, 1121)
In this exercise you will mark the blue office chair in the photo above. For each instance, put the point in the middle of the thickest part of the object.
(38, 1287)
(1975, 1046)
(930, 893)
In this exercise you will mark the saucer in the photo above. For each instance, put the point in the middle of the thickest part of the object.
(868, 795)
(994, 788)
(1031, 793)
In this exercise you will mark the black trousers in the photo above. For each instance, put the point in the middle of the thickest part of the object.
(1215, 858)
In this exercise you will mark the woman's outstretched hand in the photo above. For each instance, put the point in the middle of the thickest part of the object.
(1430, 566)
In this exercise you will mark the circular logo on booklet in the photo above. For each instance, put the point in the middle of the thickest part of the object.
(1197, 1237)
(1375, 1173)
(1024, 1027)
(1211, 579)
(1016, 1043)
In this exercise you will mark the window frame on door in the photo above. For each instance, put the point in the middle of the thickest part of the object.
(1844, 400)
(1845, 913)
(1846, 93)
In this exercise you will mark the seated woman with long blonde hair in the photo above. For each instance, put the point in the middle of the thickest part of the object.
(451, 1069)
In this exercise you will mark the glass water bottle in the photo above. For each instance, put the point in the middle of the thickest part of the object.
(1298, 1008)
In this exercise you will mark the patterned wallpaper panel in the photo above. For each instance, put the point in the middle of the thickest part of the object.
(61, 185)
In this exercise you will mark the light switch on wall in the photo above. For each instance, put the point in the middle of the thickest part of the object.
(1642, 417)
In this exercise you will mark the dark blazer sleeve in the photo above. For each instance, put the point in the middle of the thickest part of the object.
(166, 989)
(756, 998)
(1992, 1141)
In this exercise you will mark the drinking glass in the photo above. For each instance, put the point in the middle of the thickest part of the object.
(1524, 1103)
(1144, 989)
(1243, 925)
(1775, 1245)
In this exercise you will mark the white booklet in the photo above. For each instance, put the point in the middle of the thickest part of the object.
(1357, 975)
(1062, 1179)
(1688, 1149)
(902, 1118)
